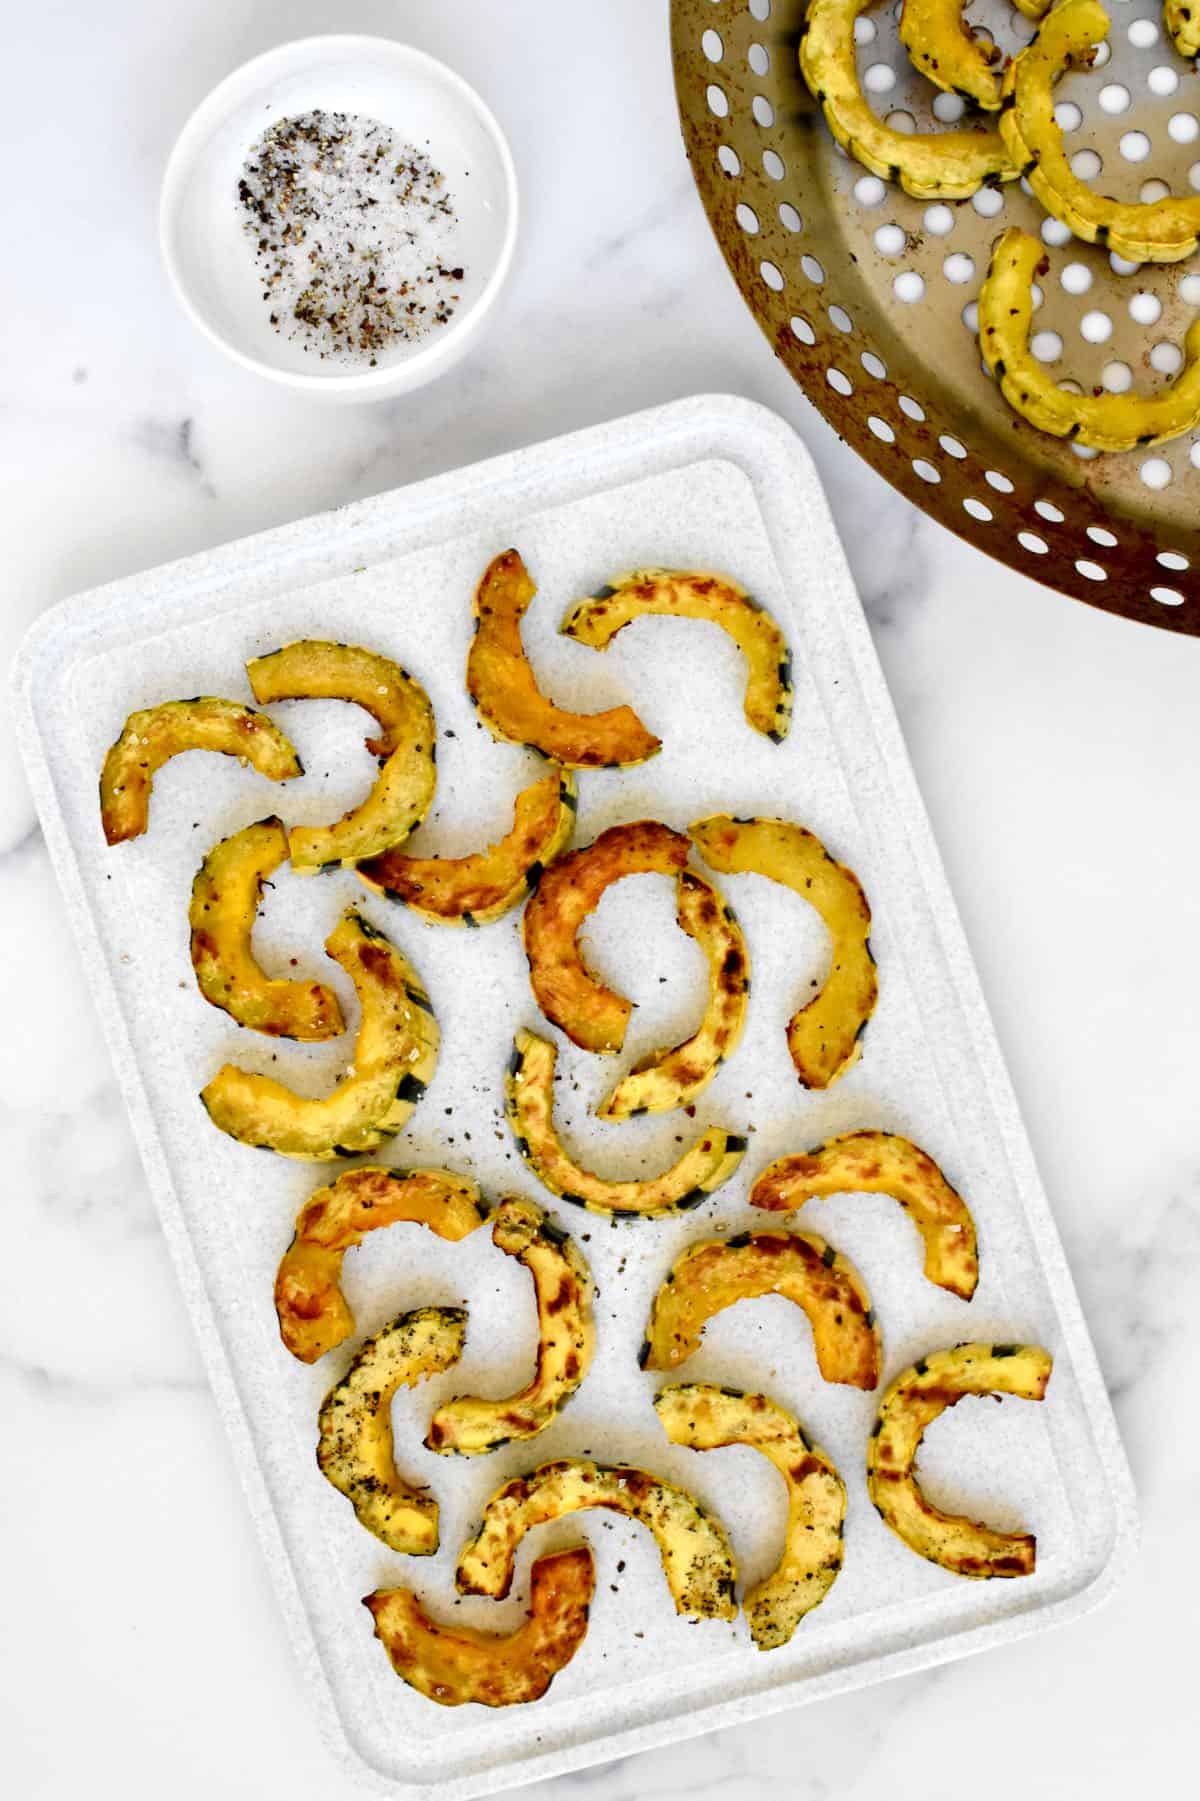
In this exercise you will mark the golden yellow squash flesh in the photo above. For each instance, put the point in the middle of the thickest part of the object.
(354, 1442)
(697, 1560)
(591, 1014)
(501, 682)
(470, 1425)
(225, 900)
(529, 1097)
(453, 1664)
(1157, 231)
(1182, 21)
(707, 1418)
(883, 1163)
(472, 891)
(669, 1079)
(1098, 421)
(313, 1313)
(395, 1055)
(714, 599)
(946, 165)
(719, 1272)
(153, 736)
(319, 669)
(824, 1036)
(314, 669)
(943, 47)
(914, 1400)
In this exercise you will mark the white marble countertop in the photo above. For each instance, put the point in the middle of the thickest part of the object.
(1060, 761)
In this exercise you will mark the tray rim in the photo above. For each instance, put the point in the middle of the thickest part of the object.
(407, 508)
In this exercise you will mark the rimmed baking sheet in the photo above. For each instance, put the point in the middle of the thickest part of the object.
(707, 482)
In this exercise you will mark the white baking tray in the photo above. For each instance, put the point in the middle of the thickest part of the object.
(707, 482)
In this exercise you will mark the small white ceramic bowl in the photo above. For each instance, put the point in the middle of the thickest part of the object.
(210, 259)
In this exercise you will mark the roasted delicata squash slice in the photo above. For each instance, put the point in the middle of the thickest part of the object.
(354, 1446)
(314, 1314)
(706, 1418)
(1098, 421)
(316, 669)
(697, 1560)
(562, 1281)
(395, 1055)
(529, 1095)
(1182, 21)
(883, 1163)
(455, 1664)
(719, 1272)
(312, 669)
(943, 47)
(684, 594)
(914, 1399)
(591, 1014)
(501, 682)
(225, 899)
(946, 165)
(824, 1037)
(669, 1079)
(153, 736)
(471, 891)
(1158, 231)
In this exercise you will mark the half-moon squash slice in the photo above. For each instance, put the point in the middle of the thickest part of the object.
(913, 1401)
(825, 1036)
(471, 891)
(591, 1014)
(314, 1315)
(668, 1079)
(153, 736)
(883, 1163)
(718, 1272)
(1098, 421)
(395, 1055)
(529, 1095)
(225, 899)
(683, 594)
(943, 47)
(455, 1664)
(504, 688)
(1157, 231)
(705, 1418)
(470, 1425)
(354, 1445)
(312, 669)
(318, 669)
(697, 1559)
(946, 165)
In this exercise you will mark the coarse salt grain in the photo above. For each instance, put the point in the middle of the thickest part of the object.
(354, 233)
